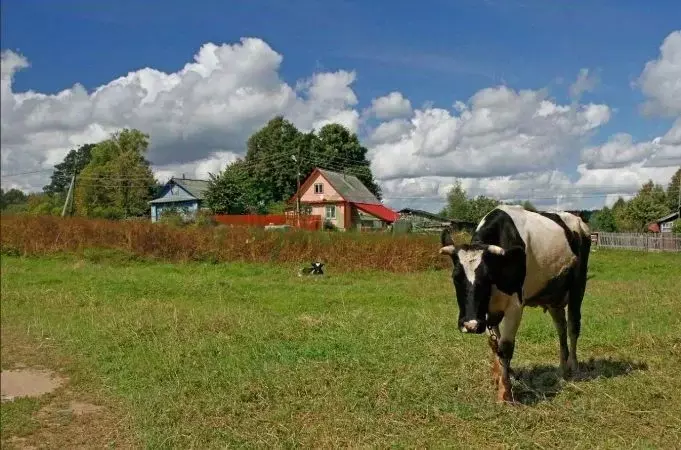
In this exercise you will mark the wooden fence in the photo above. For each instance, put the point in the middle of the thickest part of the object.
(306, 222)
(661, 242)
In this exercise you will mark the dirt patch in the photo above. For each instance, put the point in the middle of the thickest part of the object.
(28, 383)
(80, 408)
(75, 414)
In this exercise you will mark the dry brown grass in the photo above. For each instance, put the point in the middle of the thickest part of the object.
(26, 235)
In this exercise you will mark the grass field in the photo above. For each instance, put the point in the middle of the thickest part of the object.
(200, 355)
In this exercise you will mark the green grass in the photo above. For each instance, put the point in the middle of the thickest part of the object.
(208, 356)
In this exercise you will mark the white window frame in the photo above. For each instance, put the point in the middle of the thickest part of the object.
(331, 208)
(667, 226)
(319, 188)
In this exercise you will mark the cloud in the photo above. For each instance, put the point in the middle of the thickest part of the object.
(207, 108)
(499, 131)
(390, 106)
(660, 80)
(584, 83)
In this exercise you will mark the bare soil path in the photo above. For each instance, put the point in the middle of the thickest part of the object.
(48, 403)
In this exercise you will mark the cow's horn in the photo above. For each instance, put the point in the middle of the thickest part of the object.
(447, 250)
(495, 249)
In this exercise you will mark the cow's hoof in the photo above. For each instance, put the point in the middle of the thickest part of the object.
(505, 400)
(504, 393)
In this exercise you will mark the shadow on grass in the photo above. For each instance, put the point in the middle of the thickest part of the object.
(541, 383)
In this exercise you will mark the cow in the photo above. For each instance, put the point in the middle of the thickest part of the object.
(518, 258)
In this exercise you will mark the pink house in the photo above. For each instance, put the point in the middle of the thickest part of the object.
(343, 201)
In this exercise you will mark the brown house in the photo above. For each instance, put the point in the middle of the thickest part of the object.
(342, 201)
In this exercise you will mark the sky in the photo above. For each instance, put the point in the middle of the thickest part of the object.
(567, 103)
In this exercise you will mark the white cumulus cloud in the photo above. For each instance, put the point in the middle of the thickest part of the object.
(196, 115)
(625, 161)
(499, 131)
(660, 80)
(390, 106)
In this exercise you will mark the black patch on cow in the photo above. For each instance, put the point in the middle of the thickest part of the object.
(498, 229)
(495, 318)
(572, 237)
(506, 349)
(507, 271)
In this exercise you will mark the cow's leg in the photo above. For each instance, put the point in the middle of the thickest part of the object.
(558, 316)
(575, 298)
(508, 329)
(574, 327)
(493, 341)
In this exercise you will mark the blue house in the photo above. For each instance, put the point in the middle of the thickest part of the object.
(180, 194)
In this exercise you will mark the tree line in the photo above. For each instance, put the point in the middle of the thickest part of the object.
(650, 203)
(114, 179)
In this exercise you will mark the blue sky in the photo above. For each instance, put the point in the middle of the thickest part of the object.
(434, 51)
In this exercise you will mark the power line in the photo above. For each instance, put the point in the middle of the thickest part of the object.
(25, 173)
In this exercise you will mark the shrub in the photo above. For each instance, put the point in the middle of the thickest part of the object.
(29, 235)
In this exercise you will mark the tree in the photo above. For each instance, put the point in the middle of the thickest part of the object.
(117, 182)
(650, 203)
(604, 220)
(529, 206)
(270, 159)
(457, 202)
(673, 191)
(278, 151)
(11, 197)
(232, 191)
(460, 207)
(480, 206)
(74, 161)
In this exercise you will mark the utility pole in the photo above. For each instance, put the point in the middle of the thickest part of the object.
(69, 194)
(296, 158)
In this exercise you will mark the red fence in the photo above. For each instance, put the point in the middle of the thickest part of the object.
(306, 222)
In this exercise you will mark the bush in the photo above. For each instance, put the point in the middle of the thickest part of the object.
(29, 235)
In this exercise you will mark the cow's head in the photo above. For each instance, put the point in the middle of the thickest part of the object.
(478, 267)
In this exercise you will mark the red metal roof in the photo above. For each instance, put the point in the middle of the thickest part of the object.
(379, 211)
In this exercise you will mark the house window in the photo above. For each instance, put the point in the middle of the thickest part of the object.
(318, 188)
(667, 227)
(331, 212)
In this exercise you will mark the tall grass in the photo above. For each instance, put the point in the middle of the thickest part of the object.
(27, 235)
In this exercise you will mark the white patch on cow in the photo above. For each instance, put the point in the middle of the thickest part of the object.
(513, 313)
(547, 250)
(495, 249)
(471, 324)
(470, 260)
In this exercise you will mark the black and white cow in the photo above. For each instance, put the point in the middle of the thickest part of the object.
(518, 258)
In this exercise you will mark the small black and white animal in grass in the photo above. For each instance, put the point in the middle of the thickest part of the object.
(517, 258)
(316, 268)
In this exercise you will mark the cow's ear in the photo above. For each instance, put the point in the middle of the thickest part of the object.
(506, 267)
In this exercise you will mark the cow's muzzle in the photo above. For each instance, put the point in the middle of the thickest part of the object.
(473, 326)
